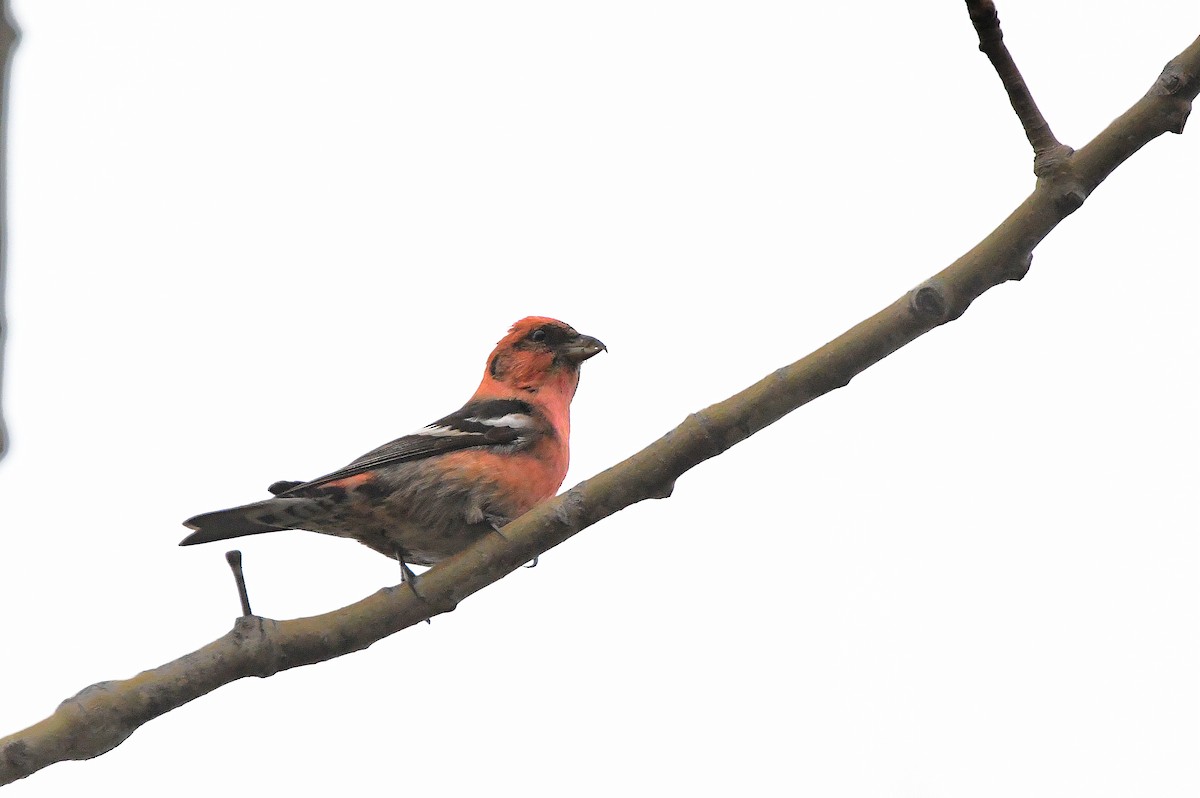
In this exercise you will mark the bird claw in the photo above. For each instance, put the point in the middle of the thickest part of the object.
(496, 524)
(406, 573)
(408, 577)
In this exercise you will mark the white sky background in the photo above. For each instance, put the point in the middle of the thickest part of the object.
(250, 241)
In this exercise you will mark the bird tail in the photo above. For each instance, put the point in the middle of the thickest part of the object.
(249, 519)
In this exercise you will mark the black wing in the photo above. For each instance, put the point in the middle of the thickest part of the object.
(490, 423)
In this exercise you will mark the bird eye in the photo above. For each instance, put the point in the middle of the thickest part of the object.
(537, 336)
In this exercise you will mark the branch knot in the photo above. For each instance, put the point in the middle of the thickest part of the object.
(929, 301)
(251, 635)
(1174, 80)
(1070, 199)
(1052, 162)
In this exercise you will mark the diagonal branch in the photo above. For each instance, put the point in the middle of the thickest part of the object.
(102, 716)
(991, 42)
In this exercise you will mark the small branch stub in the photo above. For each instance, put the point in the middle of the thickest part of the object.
(1070, 200)
(1178, 117)
(234, 558)
(1020, 267)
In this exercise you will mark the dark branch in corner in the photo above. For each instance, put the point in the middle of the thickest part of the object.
(1048, 153)
(9, 36)
(102, 716)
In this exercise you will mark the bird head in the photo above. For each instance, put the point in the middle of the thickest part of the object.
(540, 352)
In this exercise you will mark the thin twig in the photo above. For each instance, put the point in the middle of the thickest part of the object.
(991, 41)
(9, 36)
(234, 558)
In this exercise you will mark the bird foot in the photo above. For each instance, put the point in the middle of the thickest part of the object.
(408, 577)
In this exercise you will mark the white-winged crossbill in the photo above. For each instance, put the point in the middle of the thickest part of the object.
(428, 495)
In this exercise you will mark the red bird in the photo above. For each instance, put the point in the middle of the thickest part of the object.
(428, 495)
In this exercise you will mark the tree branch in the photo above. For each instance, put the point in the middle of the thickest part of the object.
(9, 36)
(1048, 153)
(103, 715)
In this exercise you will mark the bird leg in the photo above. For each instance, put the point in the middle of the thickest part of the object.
(406, 573)
(407, 577)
